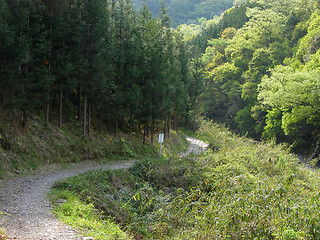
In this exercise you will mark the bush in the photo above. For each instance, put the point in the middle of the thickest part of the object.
(242, 189)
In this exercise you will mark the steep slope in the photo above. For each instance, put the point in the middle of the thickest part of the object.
(189, 11)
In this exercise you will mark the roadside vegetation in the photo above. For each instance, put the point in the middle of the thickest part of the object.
(27, 149)
(39, 146)
(239, 189)
(71, 93)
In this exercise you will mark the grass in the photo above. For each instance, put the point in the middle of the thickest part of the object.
(23, 150)
(82, 215)
(239, 189)
(116, 195)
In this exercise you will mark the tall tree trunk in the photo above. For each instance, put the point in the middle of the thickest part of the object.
(24, 118)
(86, 88)
(100, 121)
(84, 113)
(130, 125)
(175, 122)
(100, 124)
(152, 129)
(121, 123)
(89, 118)
(47, 110)
(168, 126)
(107, 123)
(60, 108)
(117, 124)
(79, 99)
(49, 64)
(25, 98)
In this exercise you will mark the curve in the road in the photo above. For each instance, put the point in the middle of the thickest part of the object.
(27, 209)
(196, 146)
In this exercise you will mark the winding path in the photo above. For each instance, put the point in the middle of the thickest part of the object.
(28, 211)
(196, 146)
(28, 214)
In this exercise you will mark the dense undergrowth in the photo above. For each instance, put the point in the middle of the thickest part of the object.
(24, 149)
(239, 189)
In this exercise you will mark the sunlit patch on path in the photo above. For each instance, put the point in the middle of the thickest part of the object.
(196, 146)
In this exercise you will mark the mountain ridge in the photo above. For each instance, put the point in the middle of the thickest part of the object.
(188, 11)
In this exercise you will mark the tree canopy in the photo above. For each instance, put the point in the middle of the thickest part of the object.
(186, 11)
(96, 59)
(262, 76)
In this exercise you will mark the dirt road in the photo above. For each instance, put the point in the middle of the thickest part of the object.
(196, 146)
(27, 208)
(24, 200)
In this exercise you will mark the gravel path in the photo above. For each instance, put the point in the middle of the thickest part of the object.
(27, 208)
(28, 211)
(196, 146)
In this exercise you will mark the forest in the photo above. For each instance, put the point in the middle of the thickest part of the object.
(186, 11)
(259, 64)
(93, 61)
(107, 66)
(93, 82)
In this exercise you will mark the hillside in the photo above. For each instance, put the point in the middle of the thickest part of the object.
(39, 144)
(187, 11)
(98, 80)
(98, 64)
(240, 189)
(133, 73)
(259, 68)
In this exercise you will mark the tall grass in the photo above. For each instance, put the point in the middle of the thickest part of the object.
(238, 189)
(82, 215)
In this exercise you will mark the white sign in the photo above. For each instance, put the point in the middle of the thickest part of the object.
(161, 137)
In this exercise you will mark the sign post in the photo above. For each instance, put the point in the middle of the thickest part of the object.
(161, 137)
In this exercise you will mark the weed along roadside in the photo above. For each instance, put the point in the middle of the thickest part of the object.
(26, 207)
(27, 210)
(77, 199)
(238, 189)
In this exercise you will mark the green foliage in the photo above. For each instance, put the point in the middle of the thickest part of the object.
(222, 99)
(262, 75)
(98, 61)
(240, 189)
(295, 96)
(309, 44)
(188, 11)
(273, 125)
(245, 121)
(234, 17)
(189, 31)
(82, 215)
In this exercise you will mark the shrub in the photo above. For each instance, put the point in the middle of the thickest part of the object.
(241, 190)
